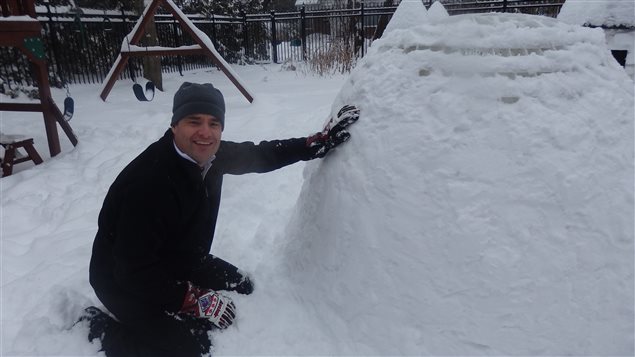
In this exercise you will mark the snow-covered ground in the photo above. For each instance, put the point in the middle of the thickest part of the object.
(49, 212)
(484, 205)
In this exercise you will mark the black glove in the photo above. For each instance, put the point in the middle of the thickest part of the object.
(334, 133)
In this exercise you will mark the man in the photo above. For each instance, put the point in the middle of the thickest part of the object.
(150, 265)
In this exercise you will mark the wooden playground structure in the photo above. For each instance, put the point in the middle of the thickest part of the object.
(19, 28)
(130, 47)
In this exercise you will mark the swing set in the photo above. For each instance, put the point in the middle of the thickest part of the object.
(130, 48)
(138, 90)
(21, 29)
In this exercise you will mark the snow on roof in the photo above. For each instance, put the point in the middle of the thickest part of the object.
(608, 13)
(492, 163)
(408, 12)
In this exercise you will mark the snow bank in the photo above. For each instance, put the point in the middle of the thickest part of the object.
(484, 204)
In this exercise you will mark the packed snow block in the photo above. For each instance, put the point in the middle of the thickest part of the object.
(408, 13)
(437, 11)
(484, 203)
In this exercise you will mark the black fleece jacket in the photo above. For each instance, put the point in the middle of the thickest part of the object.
(157, 222)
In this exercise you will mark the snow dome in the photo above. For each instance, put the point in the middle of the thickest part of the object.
(484, 204)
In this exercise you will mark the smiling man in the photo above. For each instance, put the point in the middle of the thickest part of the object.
(151, 265)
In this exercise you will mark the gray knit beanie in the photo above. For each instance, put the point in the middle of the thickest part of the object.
(194, 98)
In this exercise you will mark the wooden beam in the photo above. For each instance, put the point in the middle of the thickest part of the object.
(6, 11)
(223, 67)
(63, 123)
(14, 32)
(18, 8)
(162, 51)
(26, 25)
(29, 7)
(21, 107)
(145, 18)
(41, 74)
(10, 8)
(118, 66)
(196, 35)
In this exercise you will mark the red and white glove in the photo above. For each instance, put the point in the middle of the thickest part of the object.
(334, 132)
(205, 303)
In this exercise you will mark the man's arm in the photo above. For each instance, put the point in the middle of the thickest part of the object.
(240, 158)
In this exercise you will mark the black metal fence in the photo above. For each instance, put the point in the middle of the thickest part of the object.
(81, 47)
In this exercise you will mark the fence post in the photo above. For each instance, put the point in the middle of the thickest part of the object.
(504, 5)
(303, 31)
(274, 40)
(175, 30)
(243, 14)
(123, 18)
(361, 33)
(214, 41)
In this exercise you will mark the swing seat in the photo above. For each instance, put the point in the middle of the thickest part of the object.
(141, 94)
(69, 108)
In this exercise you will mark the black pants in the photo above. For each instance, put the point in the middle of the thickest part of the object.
(166, 335)
(174, 335)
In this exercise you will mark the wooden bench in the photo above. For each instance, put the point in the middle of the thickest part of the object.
(11, 143)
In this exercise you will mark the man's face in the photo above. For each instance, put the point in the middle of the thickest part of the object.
(198, 135)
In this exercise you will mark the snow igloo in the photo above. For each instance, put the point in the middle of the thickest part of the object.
(484, 204)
